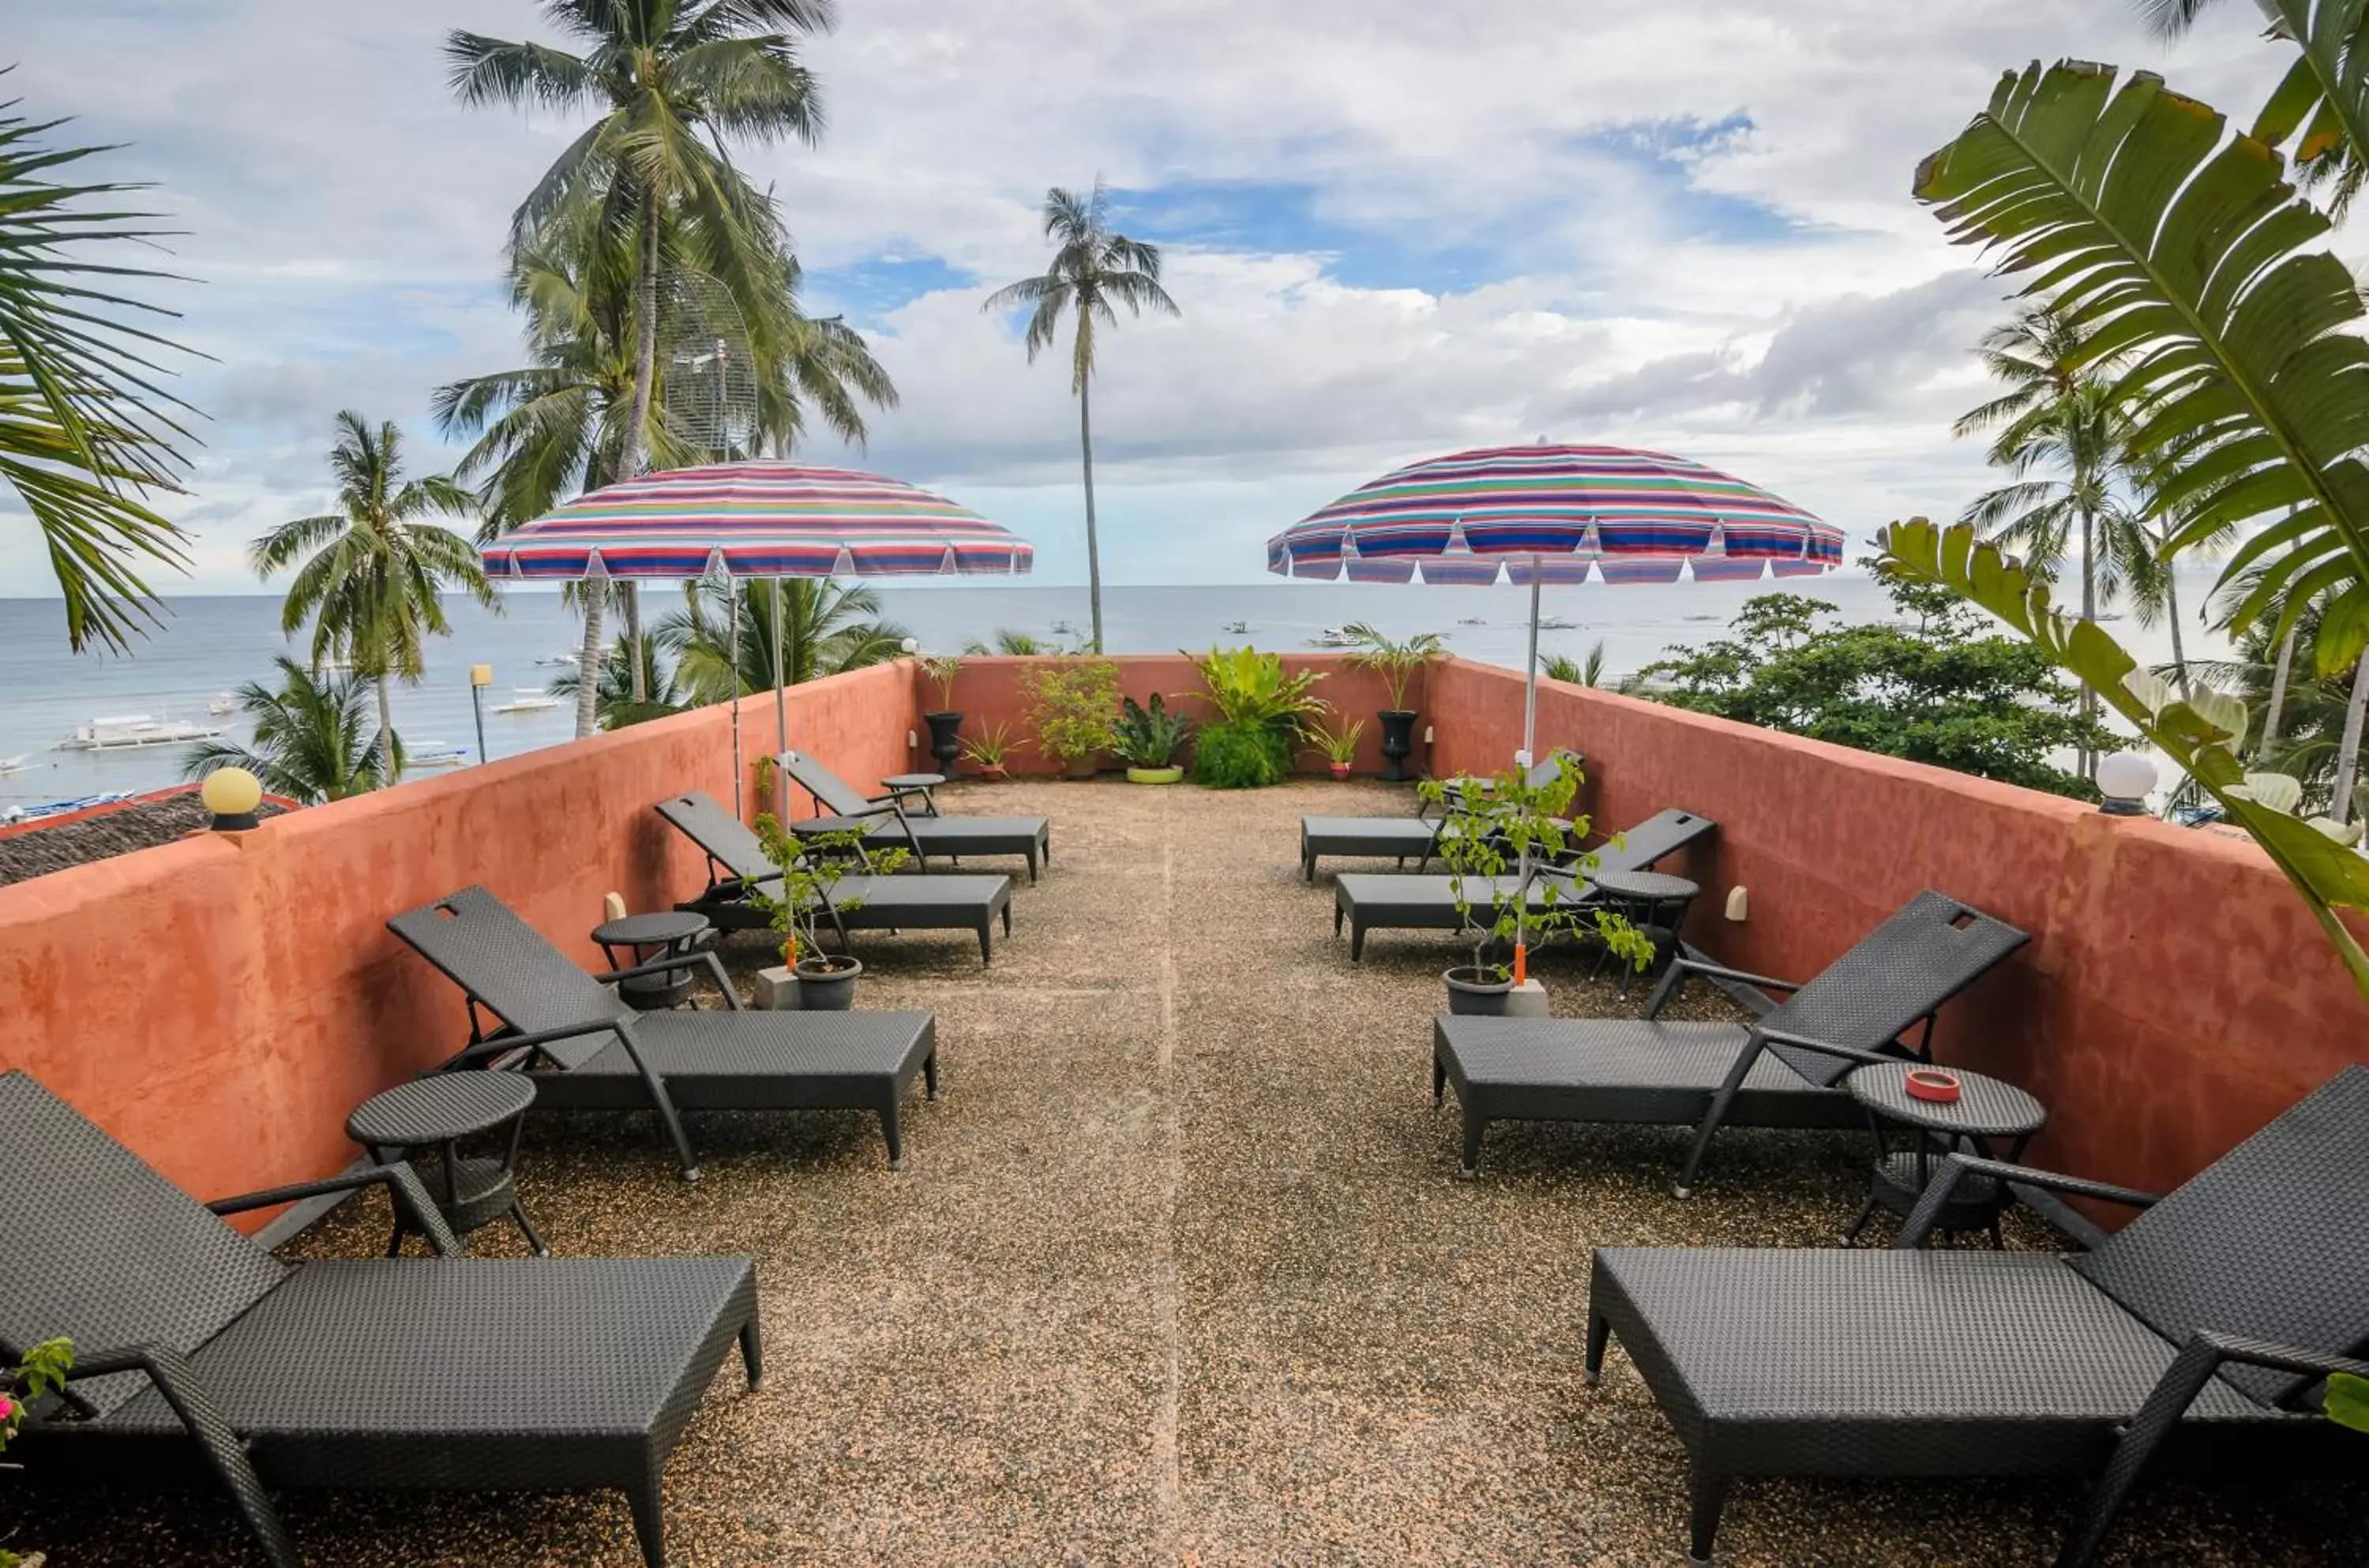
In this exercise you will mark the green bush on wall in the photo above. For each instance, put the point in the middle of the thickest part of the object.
(1241, 755)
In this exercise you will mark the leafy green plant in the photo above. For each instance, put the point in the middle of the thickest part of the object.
(1263, 715)
(1024, 644)
(1526, 830)
(1395, 662)
(2347, 1401)
(43, 1371)
(990, 747)
(2201, 733)
(1074, 706)
(1235, 754)
(313, 739)
(1150, 737)
(941, 670)
(812, 870)
(1338, 741)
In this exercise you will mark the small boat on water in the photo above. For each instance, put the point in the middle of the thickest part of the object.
(1238, 628)
(1557, 623)
(571, 656)
(11, 765)
(1064, 629)
(1333, 637)
(49, 808)
(1472, 621)
(224, 702)
(128, 732)
(434, 754)
(527, 700)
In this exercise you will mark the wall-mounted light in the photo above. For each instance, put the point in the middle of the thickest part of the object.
(232, 794)
(1739, 903)
(912, 646)
(2125, 779)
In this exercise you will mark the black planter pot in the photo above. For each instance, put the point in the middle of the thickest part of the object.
(1398, 740)
(828, 985)
(945, 739)
(1477, 992)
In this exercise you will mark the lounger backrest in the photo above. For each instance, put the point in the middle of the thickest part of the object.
(725, 836)
(505, 964)
(96, 1246)
(1664, 834)
(2266, 1243)
(836, 794)
(1920, 958)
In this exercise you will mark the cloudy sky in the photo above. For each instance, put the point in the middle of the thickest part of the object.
(1396, 228)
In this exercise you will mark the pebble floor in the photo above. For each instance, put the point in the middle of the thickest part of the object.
(1180, 1272)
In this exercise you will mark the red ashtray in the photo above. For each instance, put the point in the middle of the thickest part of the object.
(1932, 1084)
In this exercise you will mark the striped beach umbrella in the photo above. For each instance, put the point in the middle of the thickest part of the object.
(1560, 514)
(765, 520)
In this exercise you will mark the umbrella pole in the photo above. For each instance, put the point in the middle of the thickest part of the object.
(739, 792)
(781, 707)
(1530, 678)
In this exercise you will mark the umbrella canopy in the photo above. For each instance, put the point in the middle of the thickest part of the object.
(1556, 513)
(760, 520)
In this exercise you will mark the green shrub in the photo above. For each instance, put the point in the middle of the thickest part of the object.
(1074, 706)
(1240, 754)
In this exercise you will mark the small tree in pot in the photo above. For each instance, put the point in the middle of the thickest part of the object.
(1516, 871)
(1396, 663)
(1147, 738)
(987, 751)
(1338, 741)
(945, 724)
(1073, 703)
(812, 870)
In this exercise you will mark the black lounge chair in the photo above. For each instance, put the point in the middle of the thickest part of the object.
(1783, 1069)
(2197, 1335)
(199, 1357)
(1398, 838)
(588, 1051)
(737, 862)
(1386, 901)
(883, 820)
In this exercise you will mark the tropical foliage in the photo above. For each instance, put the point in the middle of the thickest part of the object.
(1012, 642)
(1074, 707)
(87, 427)
(1095, 268)
(313, 739)
(373, 572)
(1395, 661)
(618, 701)
(802, 899)
(826, 627)
(1263, 717)
(1150, 737)
(1936, 691)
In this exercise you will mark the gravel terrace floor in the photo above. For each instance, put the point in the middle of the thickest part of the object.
(1180, 1272)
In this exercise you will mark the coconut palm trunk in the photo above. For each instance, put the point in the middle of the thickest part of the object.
(2347, 756)
(2171, 619)
(385, 717)
(2089, 612)
(2278, 698)
(1093, 545)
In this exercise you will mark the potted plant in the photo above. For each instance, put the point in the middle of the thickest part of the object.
(40, 1373)
(1262, 717)
(1147, 738)
(1396, 663)
(945, 724)
(811, 871)
(1504, 847)
(1073, 703)
(1339, 744)
(986, 750)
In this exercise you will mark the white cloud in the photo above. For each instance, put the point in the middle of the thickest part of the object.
(1763, 294)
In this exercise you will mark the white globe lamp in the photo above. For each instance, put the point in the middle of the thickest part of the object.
(2125, 779)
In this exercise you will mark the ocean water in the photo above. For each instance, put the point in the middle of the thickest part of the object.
(208, 647)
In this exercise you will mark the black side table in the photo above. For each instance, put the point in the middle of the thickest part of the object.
(436, 1112)
(665, 933)
(1652, 901)
(923, 784)
(1987, 1109)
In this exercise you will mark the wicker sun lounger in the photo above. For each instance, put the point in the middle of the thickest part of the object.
(2195, 1336)
(587, 1050)
(1401, 838)
(883, 818)
(737, 862)
(1384, 901)
(1781, 1071)
(199, 1357)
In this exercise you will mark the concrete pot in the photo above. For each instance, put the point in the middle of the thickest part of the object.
(1167, 775)
(1477, 992)
(1398, 740)
(945, 739)
(827, 984)
(1079, 768)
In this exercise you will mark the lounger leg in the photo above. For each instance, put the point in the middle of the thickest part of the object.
(1474, 1125)
(888, 1130)
(1710, 1495)
(752, 1352)
(1007, 920)
(1356, 941)
(1336, 919)
(1720, 1101)
(986, 943)
(1439, 1081)
(929, 1076)
(526, 1229)
(1866, 1212)
(649, 1521)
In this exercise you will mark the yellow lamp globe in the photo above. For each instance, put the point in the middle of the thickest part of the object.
(232, 794)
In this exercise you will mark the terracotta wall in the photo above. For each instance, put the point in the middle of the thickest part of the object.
(2176, 994)
(993, 691)
(221, 1004)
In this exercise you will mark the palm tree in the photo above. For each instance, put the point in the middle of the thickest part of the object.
(84, 425)
(1011, 643)
(374, 573)
(827, 628)
(622, 699)
(1092, 267)
(311, 738)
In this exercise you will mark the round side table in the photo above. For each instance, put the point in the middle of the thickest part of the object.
(645, 939)
(925, 784)
(1986, 1110)
(436, 1112)
(1652, 901)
